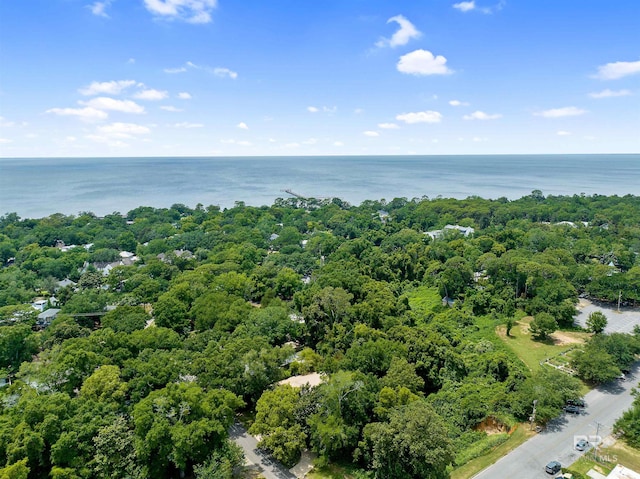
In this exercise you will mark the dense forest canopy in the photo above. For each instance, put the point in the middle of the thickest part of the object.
(168, 322)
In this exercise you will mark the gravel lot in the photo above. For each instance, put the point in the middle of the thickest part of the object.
(621, 321)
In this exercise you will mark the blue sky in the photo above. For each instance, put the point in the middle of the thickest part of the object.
(333, 77)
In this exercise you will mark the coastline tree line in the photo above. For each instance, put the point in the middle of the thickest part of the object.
(146, 365)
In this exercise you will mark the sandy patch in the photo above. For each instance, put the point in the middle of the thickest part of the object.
(491, 426)
(312, 379)
(560, 338)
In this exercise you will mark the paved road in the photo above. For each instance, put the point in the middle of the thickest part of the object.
(604, 405)
(266, 465)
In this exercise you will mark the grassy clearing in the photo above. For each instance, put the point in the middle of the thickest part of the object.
(332, 471)
(473, 467)
(533, 352)
(622, 454)
(423, 300)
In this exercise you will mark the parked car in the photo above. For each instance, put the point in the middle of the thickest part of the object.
(553, 467)
(576, 402)
(582, 444)
(572, 409)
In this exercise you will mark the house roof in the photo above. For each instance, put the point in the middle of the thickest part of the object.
(49, 313)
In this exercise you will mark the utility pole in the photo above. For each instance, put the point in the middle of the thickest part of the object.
(595, 448)
(619, 299)
(533, 414)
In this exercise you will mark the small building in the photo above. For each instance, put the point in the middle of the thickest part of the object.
(464, 230)
(45, 318)
(64, 283)
(39, 304)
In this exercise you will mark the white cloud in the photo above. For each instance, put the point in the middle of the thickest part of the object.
(107, 87)
(292, 145)
(242, 125)
(402, 36)
(86, 114)
(4, 141)
(6, 123)
(370, 133)
(465, 6)
(123, 130)
(420, 117)
(175, 70)
(70, 139)
(183, 95)
(478, 139)
(422, 62)
(186, 124)
(615, 70)
(561, 112)
(105, 103)
(225, 73)
(170, 108)
(563, 133)
(151, 94)
(244, 143)
(131, 61)
(471, 6)
(310, 141)
(192, 11)
(312, 109)
(609, 93)
(98, 8)
(338, 143)
(388, 126)
(329, 109)
(480, 115)
(458, 103)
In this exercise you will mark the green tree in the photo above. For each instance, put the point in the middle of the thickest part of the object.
(115, 454)
(17, 470)
(629, 424)
(104, 385)
(170, 312)
(17, 344)
(276, 423)
(221, 464)
(596, 322)
(178, 426)
(595, 365)
(125, 319)
(413, 444)
(542, 326)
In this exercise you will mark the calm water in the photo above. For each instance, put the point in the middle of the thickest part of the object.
(40, 187)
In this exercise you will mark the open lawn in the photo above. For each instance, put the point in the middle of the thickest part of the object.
(473, 467)
(332, 471)
(533, 352)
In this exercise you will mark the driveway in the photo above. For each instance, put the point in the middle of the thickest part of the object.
(263, 462)
(605, 404)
